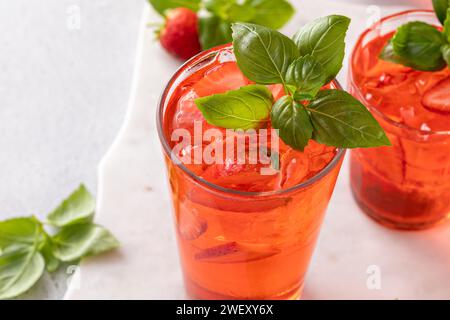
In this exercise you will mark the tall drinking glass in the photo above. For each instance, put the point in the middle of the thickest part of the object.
(406, 186)
(237, 244)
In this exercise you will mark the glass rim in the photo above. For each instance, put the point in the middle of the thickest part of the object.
(167, 149)
(358, 92)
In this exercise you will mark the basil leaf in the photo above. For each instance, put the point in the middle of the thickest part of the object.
(418, 44)
(81, 240)
(246, 108)
(446, 53)
(19, 271)
(219, 7)
(324, 39)
(79, 206)
(241, 12)
(163, 5)
(340, 120)
(51, 262)
(440, 7)
(263, 54)
(20, 233)
(292, 120)
(271, 13)
(21, 264)
(447, 26)
(389, 55)
(214, 31)
(307, 75)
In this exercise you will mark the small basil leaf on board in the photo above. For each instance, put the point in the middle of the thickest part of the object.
(340, 120)
(81, 240)
(292, 121)
(245, 108)
(307, 75)
(263, 54)
(163, 5)
(21, 264)
(418, 44)
(324, 39)
(446, 53)
(214, 31)
(271, 13)
(19, 271)
(440, 7)
(79, 206)
(19, 233)
(51, 262)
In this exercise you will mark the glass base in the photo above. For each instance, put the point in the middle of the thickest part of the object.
(393, 224)
(196, 292)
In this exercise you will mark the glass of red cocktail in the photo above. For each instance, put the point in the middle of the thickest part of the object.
(241, 234)
(406, 186)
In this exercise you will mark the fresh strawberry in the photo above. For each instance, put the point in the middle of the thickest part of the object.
(180, 35)
(438, 98)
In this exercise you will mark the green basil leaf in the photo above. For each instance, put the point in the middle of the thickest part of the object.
(163, 5)
(214, 31)
(246, 108)
(292, 121)
(220, 8)
(324, 39)
(389, 55)
(79, 206)
(447, 26)
(81, 240)
(307, 75)
(263, 54)
(271, 13)
(418, 44)
(51, 262)
(446, 53)
(440, 7)
(19, 271)
(241, 12)
(342, 121)
(21, 264)
(20, 233)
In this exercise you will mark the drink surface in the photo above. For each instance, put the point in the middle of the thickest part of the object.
(405, 95)
(294, 166)
(405, 186)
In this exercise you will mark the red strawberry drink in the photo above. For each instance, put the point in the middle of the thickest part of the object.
(407, 185)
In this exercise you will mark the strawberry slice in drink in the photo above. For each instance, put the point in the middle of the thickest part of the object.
(235, 252)
(438, 98)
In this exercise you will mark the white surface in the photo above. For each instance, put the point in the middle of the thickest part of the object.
(63, 96)
(134, 204)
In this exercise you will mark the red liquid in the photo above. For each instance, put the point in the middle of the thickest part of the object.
(238, 245)
(407, 185)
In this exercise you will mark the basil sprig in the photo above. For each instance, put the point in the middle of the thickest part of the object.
(303, 67)
(420, 45)
(27, 249)
(217, 15)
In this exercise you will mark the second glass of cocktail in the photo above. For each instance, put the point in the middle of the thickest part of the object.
(406, 186)
(249, 203)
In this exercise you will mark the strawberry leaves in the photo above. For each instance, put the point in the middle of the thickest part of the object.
(266, 57)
